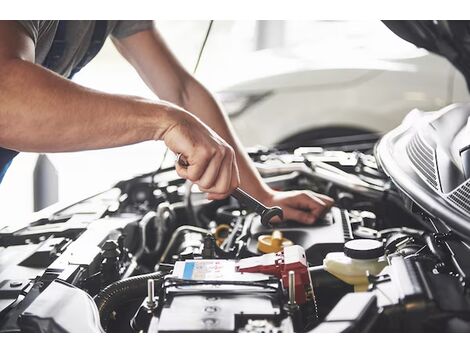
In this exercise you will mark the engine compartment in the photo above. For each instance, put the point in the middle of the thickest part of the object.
(153, 254)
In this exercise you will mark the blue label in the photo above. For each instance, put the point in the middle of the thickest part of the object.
(188, 271)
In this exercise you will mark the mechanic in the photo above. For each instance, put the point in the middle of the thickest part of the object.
(42, 111)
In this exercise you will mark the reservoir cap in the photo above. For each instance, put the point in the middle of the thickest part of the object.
(364, 249)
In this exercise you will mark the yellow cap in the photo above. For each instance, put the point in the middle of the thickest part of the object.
(273, 243)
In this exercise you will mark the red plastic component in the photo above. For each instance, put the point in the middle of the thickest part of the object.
(291, 258)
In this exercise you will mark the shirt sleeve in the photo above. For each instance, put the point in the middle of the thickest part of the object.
(126, 28)
(32, 28)
(36, 29)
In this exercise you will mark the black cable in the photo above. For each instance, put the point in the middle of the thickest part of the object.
(266, 284)
(119, 292)
(201, 51)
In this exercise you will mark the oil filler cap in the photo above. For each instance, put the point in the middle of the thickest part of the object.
(273, 243)
(364, 249)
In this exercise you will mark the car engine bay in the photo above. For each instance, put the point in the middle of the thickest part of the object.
(152, 254)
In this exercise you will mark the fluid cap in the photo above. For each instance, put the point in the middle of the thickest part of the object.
(364, 249)
(273, 243)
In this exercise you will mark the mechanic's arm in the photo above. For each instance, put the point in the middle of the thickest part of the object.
(43, 112)
(162, 72)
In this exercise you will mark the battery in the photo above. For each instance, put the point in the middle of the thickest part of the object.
(210, 296)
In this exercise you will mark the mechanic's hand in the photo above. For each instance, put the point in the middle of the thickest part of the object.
(211, 161)
(303, 206)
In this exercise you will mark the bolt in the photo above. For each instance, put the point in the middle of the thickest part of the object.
(209, 322)
(211, 309)
(150, 293)
(291, 287)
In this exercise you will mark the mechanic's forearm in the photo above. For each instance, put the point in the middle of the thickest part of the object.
(198, 100)
(43, 112)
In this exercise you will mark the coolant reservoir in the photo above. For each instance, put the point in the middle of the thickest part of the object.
(360, 256)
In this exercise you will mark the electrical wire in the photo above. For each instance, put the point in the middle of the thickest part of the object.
(204, 42)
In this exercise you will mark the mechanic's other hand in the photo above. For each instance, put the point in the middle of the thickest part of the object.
(303, 206)
(211, 161)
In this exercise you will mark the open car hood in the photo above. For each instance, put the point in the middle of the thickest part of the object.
(421, 159)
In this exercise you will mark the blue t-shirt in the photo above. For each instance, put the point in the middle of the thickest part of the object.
(6, 157)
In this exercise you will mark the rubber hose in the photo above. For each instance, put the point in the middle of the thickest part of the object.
(435, 248)
(122, 291)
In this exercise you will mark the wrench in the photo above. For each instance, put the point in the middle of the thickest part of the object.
(266, 213)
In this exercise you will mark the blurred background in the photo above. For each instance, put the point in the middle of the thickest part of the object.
(276, 79)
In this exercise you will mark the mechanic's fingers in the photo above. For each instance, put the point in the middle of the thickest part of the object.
(210, 175)
(235, 183)
(190, 170)
(216, 196)
(235, 175)
(221, 182)
(308, 202)
(305, 217)
(199, 164)
(181, 171)
(328, 200)
(277, 219)
(224, 181)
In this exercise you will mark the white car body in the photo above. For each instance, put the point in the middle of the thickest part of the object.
(358, 87)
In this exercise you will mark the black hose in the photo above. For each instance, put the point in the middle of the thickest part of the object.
(435, 248)
(122, 291)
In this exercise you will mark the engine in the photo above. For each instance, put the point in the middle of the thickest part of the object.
(153, 254)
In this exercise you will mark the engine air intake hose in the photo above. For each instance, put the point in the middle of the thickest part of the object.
(122, 291)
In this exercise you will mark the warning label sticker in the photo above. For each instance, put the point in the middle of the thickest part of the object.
(208, 270)
(213, 270)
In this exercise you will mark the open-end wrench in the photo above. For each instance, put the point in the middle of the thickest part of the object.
(266, 213)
